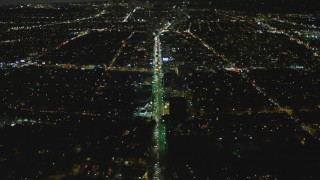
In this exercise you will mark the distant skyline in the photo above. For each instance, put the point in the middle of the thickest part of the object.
(41, 1)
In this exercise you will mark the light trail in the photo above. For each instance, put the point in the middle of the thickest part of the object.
(91, 67)
(129, 15)
(60, 23)
(298, 41)
(159, 134)
(189, 28)
(215, 52)
(87, 32)
(272, 29)
(64, 43)
(260, 90)
(123, 44)
(157, 103)
(210, 48)
(209, 26)
(11, 41)
(199, 25)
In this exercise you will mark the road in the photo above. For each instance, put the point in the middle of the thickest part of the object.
(159, 134)
(129, 15)
(123, 44)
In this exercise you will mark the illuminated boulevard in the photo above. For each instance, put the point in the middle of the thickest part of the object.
(159, 135)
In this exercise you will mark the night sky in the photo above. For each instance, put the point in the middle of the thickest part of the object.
(39, 1)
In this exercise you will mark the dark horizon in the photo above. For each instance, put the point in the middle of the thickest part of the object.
(5, 2)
